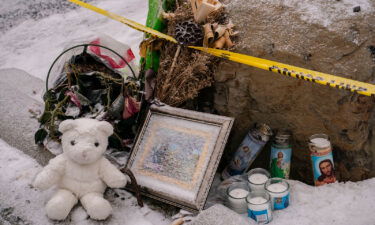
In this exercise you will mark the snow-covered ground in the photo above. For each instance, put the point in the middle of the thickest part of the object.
(341, 203)
(20, 203)
(34, 32)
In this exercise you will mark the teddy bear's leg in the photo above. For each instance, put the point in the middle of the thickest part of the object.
(59, 206)
(96, 206)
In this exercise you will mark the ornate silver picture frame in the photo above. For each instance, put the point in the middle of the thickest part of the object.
(176, 155)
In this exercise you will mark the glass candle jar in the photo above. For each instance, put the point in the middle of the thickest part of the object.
(259, 207)
(322, 159)
(278, 189)
(257, 178)
(281, 154)
(237, 193)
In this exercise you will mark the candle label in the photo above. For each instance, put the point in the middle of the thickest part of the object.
(281, 202)
(322, 159)
(244, 156)
(323, 168)
(280, 162)
(259, 216)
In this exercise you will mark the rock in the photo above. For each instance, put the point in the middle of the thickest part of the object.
(20, 93)
(357, 9)
(226, 72)
(371, 48)
(320, 35)
(219, 215)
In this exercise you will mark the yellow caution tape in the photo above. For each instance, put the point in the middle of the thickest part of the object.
(293, 71)
(123, 20)
(285, 69)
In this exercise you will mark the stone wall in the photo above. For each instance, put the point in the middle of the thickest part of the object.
(325, 36)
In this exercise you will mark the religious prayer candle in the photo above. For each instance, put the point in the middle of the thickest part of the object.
(257, 178)
(281, 154)
(237, 193)
(322, 159)
(278, 189)
(246, 153)
(259, 207)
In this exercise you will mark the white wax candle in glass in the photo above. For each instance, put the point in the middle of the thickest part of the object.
(259, 207)
(237, 193)
(278, 189)
(257, 178)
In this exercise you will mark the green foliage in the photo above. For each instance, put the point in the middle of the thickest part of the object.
(45, 118)
(40, 135)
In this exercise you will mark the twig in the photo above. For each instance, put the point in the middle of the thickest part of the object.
(135, 185)
(174, 60)
(118, 81)
(108, 97)
(68, 75)
(55, 111)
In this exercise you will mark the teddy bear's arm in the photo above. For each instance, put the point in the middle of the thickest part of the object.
(50, 174)
(111, 175)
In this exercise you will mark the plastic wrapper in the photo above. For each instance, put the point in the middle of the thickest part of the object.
(218, 191)
(106, 56)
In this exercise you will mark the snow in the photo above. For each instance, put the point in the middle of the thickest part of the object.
(326, 13)
(22, 204)
(339, 203)
(34, 43)
(350, 203)
(17, 171)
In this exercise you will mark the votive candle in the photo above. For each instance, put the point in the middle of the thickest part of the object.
(278, 189)
(257, 178)
(259, 207)
(237, 193)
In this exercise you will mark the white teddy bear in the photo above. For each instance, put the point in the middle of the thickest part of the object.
(81, 172)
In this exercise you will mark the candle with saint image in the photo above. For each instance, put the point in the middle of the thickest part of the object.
(259, 207)
(278, 189)
(237, 193)
(322, 159)
(257, 178)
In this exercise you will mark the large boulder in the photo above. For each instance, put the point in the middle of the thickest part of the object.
(326, 36)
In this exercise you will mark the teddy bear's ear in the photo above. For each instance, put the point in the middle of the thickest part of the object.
(67, 125)
(105, 127)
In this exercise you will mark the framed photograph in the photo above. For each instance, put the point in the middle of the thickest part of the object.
(176, 155)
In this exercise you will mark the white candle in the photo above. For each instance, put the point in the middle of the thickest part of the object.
(257, 200)
(259, 207)
(237, 200)
(257, 181)
(258, 178)
(278, 187)
(238, 193)
(279, 193)
(320, 142)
